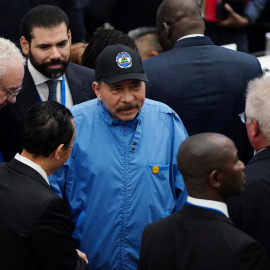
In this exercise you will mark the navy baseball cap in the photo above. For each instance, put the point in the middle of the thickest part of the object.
(117, 63)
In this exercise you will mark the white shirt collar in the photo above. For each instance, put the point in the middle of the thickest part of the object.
(220, 206)
(38, 77)
(33, 165)
(190, 36)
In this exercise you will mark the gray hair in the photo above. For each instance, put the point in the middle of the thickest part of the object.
(8, 50)
(258, 103)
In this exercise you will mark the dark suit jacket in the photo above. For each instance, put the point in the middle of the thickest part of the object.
(196, 238)
(35, 225)
(11, 117)
(205, 84)
(250, 210)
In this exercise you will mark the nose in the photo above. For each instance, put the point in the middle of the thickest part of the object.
(12, 100)
(54, 53)
(127, 96)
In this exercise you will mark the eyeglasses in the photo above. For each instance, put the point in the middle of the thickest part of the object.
(14, 92)
(243, 117)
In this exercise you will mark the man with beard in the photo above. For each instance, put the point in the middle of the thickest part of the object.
(48, 75)
(123, 171)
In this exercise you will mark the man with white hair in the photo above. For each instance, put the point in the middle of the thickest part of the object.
(11, 71)
(250, 210)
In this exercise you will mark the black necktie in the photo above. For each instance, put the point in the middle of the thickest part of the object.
(52, 89)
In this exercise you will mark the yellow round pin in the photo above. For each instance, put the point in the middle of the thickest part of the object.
(155, 169)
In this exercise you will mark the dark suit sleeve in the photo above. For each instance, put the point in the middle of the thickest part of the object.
(251, 257)
(52, 239)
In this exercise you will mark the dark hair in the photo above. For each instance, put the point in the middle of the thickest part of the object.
(47, 125)
(44, 16)
(101, 40)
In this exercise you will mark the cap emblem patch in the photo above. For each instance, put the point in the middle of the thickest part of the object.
(124, 60)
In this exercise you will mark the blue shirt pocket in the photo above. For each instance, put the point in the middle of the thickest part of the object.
(160, 171)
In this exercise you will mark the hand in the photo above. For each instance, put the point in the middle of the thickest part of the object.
(82, 255)
(234, 20)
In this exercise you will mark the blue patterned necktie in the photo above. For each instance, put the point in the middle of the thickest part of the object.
(52, 89)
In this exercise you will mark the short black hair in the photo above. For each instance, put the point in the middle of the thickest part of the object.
(44, 16)
(47, 125)
(102, 39)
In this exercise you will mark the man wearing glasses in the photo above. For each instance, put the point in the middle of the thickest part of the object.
(11, 72)
(250, 210)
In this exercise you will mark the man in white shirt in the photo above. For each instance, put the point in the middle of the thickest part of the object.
(200, 235)
(46, 41)
(35, 229)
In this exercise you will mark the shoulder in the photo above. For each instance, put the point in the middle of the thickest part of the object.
(160, 109)
(84, 108)
(80, 69)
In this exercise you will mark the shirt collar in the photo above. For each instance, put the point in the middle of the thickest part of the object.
(38, 77)
(190, 36)
(33, 165)
(220, 206)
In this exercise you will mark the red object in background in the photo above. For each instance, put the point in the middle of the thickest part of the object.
(214, 9)
(210, 13)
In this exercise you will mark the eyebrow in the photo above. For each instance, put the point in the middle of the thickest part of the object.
(64, 41)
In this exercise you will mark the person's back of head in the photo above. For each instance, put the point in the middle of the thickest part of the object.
(210, 167)
(47, 125)
(177, 18)
(102, 39)
(257, 112)
(146, 40)
(42, 16)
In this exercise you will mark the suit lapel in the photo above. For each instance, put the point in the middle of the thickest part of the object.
(24, 169)
(75, 82)
(29, 95)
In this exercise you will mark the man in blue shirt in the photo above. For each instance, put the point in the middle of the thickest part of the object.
(123, 172)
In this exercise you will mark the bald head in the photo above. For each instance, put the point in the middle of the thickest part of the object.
(210, 166)
(177, 18)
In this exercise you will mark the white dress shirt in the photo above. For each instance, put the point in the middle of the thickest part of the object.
(219, 206)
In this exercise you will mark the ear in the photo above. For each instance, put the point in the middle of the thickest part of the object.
(69, 36)
(25, 45)
(166, 29)
(58, 150)
(254, 128)
(153, 53)
(214, 179)
(96, 89)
